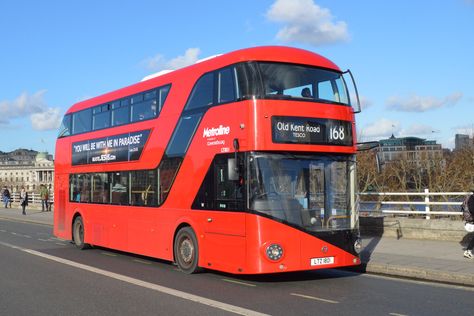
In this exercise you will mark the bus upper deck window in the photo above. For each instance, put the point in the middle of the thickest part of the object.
(225, 85)
(202, 94)
(82, 121)
(65, 129)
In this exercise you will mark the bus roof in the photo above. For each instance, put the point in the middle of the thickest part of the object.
(261, 53)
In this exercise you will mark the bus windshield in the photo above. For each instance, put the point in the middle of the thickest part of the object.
(288, 81)
(312, 192)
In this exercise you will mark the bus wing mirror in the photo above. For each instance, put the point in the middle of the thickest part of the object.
(352, 91)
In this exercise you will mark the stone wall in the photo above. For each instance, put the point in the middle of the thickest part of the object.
(413, 228)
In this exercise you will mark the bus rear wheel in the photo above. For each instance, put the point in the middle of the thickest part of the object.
(186, 251)
(78, 233)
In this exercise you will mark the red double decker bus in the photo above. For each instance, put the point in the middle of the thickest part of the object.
(243, 163)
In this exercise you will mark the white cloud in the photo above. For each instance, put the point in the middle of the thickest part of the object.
(24, 104)
(417, 103)
(159, 62)
(382, 128)
(306, 22)
(47, 120)
(33, 106)
(154, 63)
(189, 58)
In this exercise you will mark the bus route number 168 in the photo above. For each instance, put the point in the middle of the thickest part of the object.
(337, 132)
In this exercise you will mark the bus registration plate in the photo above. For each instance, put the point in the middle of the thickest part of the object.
(322, 261)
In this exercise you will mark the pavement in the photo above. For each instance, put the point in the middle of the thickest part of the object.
(428, 260)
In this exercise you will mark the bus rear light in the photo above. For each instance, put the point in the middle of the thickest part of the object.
(274, 252)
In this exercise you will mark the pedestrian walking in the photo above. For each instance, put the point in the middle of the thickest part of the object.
(23, 200)
(468, 214)
(44, 195)
(6, 197)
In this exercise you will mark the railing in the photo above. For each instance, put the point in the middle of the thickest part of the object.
(448, 207)
(34, 199)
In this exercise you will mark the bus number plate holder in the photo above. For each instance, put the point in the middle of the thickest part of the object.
(322, 261)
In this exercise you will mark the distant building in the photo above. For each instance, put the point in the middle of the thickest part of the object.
(462, 141)
(24, 167)
(412, 149)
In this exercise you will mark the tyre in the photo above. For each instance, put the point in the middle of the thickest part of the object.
(78, 233)
(186, 250)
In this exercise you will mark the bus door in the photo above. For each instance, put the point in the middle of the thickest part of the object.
(225, 224)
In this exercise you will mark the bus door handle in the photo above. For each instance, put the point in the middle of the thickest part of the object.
(209, 220)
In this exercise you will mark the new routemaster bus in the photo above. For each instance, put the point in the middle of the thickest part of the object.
(243, 163)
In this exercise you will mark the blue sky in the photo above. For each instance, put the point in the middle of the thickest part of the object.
(413, 60)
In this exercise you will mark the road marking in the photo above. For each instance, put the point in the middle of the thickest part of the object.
(45, 240)
(155, 287)
(238, 282)
(315, 298)
(27, 236)
(108, 254)
(61, 244)
(430, 283)
(142, 261)
(3, 231)
(13, 233)
(396, 314)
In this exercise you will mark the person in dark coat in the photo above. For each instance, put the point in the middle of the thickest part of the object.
(6, 197)
(469, 226)
(23, 200)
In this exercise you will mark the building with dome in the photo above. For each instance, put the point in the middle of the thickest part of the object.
(26, 167)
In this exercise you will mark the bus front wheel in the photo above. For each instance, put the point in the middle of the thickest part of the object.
(78, 233)
(186, 251)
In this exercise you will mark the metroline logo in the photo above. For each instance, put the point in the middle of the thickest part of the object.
(216, 131)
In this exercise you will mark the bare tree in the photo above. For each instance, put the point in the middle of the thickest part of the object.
(440, 174)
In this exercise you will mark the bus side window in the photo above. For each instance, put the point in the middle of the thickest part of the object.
(119, 189)
(80, 185)
(225, 85)
(65, 129)
(100, 117)
(162, 96)
(101, 188)
(144, 187)
(202, 94)
(120, 112)
(82, 121)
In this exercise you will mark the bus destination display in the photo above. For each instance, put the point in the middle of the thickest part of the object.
(118, 148)
(315, 131)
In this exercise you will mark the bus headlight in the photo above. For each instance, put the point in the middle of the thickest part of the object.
(358, 245)
(274, 252)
